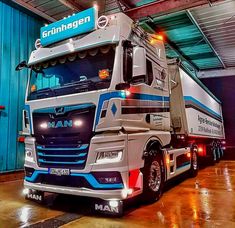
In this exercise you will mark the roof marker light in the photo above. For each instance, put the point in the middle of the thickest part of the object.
(38, 44)
(95, 5)
(102, 22)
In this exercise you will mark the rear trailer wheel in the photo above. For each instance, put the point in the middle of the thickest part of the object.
(218, 156)
(221, 152)
(211, 154)
(194, 164)
(153, 178)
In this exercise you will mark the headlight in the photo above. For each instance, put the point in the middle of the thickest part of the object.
(29, 155)
(109, 157)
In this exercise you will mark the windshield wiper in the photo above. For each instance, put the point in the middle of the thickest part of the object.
(80, 85)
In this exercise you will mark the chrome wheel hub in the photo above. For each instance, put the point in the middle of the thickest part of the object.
(155, 176)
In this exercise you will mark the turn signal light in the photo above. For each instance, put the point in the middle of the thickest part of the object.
(200, 149)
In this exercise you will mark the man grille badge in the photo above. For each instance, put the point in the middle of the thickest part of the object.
(59, 110)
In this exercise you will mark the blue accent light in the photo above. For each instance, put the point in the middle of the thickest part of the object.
(62, 156)
(66, 108)
(88, 176)
(35, 175)
(83, 147)
(59, 162)
(79, 23)
(91, 179)
(114, 109)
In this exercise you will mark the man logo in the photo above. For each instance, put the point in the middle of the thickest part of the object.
(60, 124)
(106, 208)
(34, 197)
(59, 110)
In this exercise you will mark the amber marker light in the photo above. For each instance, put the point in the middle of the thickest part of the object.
(33, 88)
(103, 74)
(200, 150)
(167, 160)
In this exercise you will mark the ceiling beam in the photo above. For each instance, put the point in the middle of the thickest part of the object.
(162, 7)
(204, 36)
(216, 73)
(34, 10)
(72, 4)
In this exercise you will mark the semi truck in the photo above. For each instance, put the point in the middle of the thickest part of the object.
(106, 116)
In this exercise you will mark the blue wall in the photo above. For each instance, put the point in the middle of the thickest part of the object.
(18, 32)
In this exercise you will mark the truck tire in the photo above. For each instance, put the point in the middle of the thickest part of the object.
(194, 163)
(211, 154)
(218, 155)
(153, 178)
(221, 152)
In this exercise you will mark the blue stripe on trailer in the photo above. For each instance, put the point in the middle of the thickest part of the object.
(189, 98)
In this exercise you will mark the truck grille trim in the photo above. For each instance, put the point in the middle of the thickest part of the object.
(70, 157)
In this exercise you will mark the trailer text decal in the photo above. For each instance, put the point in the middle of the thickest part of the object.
(79, 23)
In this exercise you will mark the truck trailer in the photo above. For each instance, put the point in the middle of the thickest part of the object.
(107, 117)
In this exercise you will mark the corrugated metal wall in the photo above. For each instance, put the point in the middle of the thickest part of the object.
(18, 32)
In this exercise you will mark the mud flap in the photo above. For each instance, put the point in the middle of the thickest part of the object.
(35, 195)
(109, 207)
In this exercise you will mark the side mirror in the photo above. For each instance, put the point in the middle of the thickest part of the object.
(139, 62)
(127, 61)
(21, 66)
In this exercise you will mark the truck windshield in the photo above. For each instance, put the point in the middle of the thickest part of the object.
(79, 72)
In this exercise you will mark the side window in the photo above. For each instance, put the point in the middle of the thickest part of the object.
(149, 76)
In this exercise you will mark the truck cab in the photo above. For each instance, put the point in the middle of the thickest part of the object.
(97, 113)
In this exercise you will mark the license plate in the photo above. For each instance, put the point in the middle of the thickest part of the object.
(60, 172)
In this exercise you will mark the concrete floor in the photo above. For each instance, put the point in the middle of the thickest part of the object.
(205, 201)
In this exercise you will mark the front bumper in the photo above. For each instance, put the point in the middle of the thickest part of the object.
(101, 194)
(92, 188)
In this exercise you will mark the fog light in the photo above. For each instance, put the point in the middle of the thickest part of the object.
(25, 191)
(113, 203)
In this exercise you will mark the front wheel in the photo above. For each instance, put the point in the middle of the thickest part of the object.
(153, 178)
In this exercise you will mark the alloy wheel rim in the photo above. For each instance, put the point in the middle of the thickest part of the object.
(155, 176)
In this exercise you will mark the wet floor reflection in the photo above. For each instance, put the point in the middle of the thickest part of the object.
(205, 201)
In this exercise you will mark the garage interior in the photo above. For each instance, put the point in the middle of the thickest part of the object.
(198, 32)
